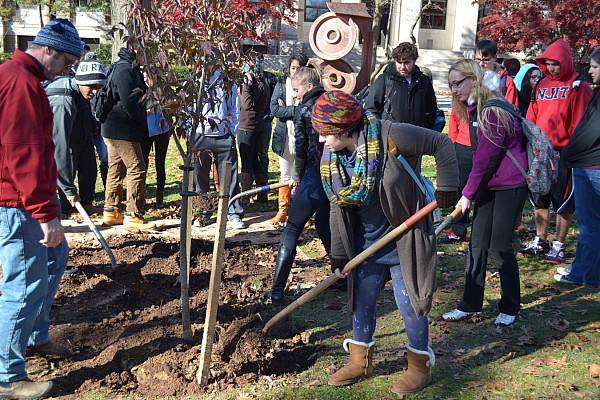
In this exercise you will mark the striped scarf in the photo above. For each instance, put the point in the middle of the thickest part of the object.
(362, 183)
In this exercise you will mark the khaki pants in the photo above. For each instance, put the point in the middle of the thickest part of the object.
(125, 158)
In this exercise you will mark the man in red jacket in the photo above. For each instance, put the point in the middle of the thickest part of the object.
(33, 251)
(560, 100)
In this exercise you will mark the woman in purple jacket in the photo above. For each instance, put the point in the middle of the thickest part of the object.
(495, 188)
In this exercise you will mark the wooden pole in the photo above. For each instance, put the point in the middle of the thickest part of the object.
(215, 276)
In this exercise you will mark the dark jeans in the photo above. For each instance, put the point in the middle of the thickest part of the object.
(263, 146)
(223, 149)
(248, 144)
(161, 145)
(309, 199)
(495, 215)
(464, 156)
(84, 168)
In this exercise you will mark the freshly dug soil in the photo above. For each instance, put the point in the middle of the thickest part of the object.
(125, 329)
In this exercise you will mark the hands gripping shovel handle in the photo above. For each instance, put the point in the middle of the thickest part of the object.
(356, 261)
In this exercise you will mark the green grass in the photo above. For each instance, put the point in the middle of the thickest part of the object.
(545, 354)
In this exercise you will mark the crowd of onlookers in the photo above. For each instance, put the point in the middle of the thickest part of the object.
(353, 164)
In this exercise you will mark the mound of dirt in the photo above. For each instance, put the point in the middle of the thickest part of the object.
(125, 329)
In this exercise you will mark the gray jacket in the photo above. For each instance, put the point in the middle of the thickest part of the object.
(70, 114)
(401, 198)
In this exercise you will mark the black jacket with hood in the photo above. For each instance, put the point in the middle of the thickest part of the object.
(128, 119)
(413, 102)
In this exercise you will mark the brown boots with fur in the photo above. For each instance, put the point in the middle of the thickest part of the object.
(360, 366)
(418, 374)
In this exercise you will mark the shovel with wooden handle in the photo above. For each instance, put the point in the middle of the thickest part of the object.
(251, 192)
(356, 261)
(98, 235)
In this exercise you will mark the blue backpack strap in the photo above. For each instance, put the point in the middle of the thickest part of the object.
(392, 148)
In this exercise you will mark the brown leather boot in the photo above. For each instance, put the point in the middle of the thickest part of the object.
(261, 181)
(246, 183)
(285, 196)
(359, 367)
(418, 374)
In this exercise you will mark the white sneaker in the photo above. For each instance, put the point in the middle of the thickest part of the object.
(197, 223)
(236, 223)
(457, 315)
(505, 319)
(563, 271)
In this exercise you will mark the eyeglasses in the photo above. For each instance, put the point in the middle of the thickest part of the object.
(69, 63)
(486, 59)
(457, 84)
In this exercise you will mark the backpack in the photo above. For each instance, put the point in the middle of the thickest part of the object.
(105, 100)
(387, 105)
(542, 159)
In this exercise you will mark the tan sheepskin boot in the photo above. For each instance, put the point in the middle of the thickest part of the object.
(359, 367)
(418, 374)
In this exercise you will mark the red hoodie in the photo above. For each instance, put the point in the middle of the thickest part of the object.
(27, 167)
(559, 103)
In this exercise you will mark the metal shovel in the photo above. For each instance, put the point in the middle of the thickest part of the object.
(98, 235)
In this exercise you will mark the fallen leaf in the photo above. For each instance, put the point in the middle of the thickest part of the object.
(594, 370)
(566, 385)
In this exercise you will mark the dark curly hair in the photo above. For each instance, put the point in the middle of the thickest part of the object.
(405, 51)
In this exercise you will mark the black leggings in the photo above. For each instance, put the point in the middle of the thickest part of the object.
(161, 145)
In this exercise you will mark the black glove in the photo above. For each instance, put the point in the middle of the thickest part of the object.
(446, 199)
(338, 263)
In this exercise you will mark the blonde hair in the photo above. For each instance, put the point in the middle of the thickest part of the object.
(309, 74)
(480, 94)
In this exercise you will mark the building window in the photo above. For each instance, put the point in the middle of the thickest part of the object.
(314, 9)
(435, 16)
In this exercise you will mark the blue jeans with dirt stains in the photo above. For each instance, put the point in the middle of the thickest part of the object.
(368, 281)
(31, 274)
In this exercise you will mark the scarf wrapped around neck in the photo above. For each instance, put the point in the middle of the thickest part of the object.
(359, 189)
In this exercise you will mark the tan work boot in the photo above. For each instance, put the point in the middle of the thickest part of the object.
(112, 216)
(133, 221)
(418, 374)
(26, 389)
(285, 196)
(359, 367)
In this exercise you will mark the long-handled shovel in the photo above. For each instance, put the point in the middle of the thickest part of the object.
(98, 235)
(258, 190)
(356, 261)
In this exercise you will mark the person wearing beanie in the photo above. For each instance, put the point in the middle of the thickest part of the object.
(123, 131)
(33, 251)
(370, 194)
(73, 134)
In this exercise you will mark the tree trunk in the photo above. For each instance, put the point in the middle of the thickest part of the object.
(118, 15)
(376, 26)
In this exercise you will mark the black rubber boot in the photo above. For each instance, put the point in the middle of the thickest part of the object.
(283, 266)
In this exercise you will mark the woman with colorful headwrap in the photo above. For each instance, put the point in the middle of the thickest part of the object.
(370, 194)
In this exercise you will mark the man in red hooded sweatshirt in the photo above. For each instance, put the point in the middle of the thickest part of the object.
(560, 100)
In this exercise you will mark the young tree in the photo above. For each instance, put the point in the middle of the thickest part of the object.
(202, 35)
(527, 26)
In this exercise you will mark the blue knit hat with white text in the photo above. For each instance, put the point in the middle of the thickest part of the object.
(60, 34)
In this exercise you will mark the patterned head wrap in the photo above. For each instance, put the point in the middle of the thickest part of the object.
(336, 112)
